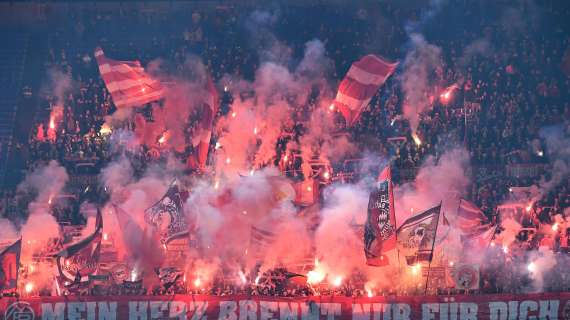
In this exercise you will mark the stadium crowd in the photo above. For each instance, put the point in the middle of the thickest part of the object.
(507, 91)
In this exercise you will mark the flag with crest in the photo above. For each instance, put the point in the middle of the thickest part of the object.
(79, 260)
(171, 206)
(380, 227)
(416, 236)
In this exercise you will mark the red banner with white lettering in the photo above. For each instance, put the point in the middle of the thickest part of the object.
(200, 307)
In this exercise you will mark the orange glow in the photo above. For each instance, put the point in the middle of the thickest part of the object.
(315, 277)
(164, 137)
(105, 129)
(446, 95)
(417, 139)
(242, 277)
(29, 287)
(337, 281)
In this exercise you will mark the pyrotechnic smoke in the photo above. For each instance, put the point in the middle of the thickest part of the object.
(184, 100)
(558, 153)
(480, 47)
(59, 84)
(337, 239)
(7, 230)
(250, 131)
(44, 183)
(541, 262)
(421, 70)
(436, 181)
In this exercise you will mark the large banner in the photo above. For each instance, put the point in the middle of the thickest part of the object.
(198, 307)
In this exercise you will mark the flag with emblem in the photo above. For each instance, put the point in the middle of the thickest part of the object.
(79, 260)
(380, 227)
(416, 236)
(465, 276)
(9, 262)
(170, 204)
(127, 82)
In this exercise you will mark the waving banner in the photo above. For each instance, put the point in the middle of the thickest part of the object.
(127, 81)
(461, 307)
(171, 203)
(360, 84)
(380, 227)
(417, 235)
(79, 260)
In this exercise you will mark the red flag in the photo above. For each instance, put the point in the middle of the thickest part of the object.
(306, 192)
(127, 82)
(480, 238)
(9, 261)
(209, 110)
(360, 84)
(469, 216)
(380, 227)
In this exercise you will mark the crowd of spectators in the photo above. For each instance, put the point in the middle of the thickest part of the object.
(508, 89)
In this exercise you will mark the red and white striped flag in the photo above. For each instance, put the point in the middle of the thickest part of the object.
(127, 82)
(360, 84)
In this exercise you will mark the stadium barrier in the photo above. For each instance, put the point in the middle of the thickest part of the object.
(202, 307)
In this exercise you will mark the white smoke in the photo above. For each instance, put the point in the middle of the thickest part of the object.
(418, 76)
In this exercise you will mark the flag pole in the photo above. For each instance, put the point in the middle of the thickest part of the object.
(391, 195)
(432, 247)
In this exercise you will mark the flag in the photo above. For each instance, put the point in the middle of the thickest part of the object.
(306, 192)
(479, 238)
(77, 261)
(380, 227)
(172, 204)
(204, 133)
(469, 216)
(416, 236)
(466, 276)
(9, 265)
(127, 82)
(360, 84)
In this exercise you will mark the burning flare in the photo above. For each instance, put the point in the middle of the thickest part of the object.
(417, 139)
